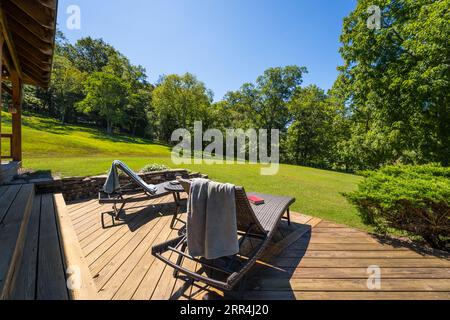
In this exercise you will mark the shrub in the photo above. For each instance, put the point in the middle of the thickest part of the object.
(415, 199)
(154, 167)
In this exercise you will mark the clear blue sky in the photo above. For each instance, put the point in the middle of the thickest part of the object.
(224, 42)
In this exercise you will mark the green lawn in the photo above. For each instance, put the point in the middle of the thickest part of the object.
(81, 151)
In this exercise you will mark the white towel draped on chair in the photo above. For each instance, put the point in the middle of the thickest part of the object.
(211, 221)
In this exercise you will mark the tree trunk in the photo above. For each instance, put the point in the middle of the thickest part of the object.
(63, 115)
(133, 130)
(109, 127)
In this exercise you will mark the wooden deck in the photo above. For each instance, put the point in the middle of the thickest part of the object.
(40, 254)
(31, 264)
(41, 275)
(312, 259)
(15, 210)
(8, 170)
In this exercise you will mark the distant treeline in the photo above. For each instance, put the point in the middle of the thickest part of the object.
(389, 104)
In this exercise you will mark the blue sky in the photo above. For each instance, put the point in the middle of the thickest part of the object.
(224, 43)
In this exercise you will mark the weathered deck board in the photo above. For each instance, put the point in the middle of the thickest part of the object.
(25, 287)
(314, 259)
(134, 279)
(51, 282)
(356, 273)
(297, 284)
(14, 219)
(334, 295)
(117, 242)
(41, 273)
(155, 227)
(331, 263)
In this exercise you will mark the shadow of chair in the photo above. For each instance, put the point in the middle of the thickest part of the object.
(141, 214)
(265, 268)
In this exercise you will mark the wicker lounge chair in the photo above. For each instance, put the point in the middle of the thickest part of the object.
(137, 186)
(253, 222)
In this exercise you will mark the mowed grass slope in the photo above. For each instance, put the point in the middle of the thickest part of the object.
(46, 138)
(68, 150)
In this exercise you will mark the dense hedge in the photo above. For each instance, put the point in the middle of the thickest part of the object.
(415, 199)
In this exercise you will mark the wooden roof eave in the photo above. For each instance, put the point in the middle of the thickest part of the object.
(20, 17)
(35, 75)
(34, 63)
(38, 10)
(30, 31)
(28, 36)
(10, 44)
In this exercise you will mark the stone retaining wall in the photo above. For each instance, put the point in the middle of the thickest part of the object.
(88, 187)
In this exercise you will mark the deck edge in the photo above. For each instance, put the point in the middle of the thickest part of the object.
(82, 287)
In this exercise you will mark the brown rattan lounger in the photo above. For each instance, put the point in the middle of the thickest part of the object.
(257, 222)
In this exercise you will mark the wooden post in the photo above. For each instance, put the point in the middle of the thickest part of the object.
(17, 89)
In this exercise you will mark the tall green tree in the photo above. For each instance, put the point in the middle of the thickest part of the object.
(308, 136)
(275, 88)
(179, 101)
(88, 54)
(396, 82)
(106, 95)
(139, 92)
(66, 86)
(239, 109)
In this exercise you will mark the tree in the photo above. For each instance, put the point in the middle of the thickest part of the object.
(396, 83)
(106, 95)
(89, 55)
(136, 111)
(275, 89)
(139, 92)
(66, 85)
(310, 134)
(178, 102)
(239, 109)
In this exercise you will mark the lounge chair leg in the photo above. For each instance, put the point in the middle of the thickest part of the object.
(117, 211)
(288, 217)
(103, 219)
(180, 259)
(176, 198)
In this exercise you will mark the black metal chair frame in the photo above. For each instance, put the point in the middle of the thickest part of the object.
(118, 198)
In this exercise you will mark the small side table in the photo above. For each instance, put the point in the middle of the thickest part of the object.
(175, 189)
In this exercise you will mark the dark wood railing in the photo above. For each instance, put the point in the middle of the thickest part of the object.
(7, 136)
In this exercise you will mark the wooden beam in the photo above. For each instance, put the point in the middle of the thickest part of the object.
(9, 42)
(37, 71)
(32, 52)
(28, 36)
(44, 49)
(7, 61)
(17, 88)
(24, 57)
(44, 55)
(37, 76)
(32, 82)
(14, 13)
(42, 14)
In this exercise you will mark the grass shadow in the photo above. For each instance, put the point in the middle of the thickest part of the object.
(47, 125)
